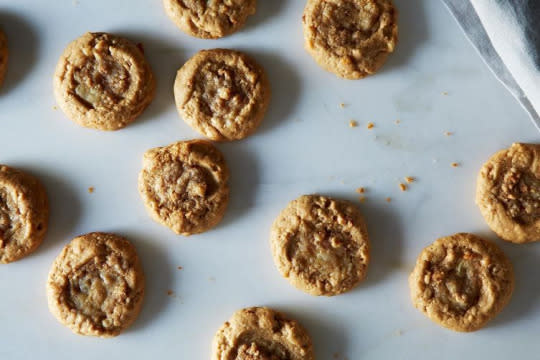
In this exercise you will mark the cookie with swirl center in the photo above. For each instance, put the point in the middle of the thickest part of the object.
(260, 333)
(461, 282)
(185, 186)
(103, 81)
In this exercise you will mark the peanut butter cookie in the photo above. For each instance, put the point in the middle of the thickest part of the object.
(508, 193)
(103, 81)
(321, 245)
(223, 94)
(4, 54)
(24, 214)
(461, 282)
(264, 334)
(350, 38)
(96, 285)
(185, 186)
(209, 19)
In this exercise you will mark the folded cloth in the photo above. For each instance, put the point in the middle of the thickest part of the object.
(506, 33)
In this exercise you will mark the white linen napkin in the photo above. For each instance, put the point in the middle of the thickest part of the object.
(506, 33)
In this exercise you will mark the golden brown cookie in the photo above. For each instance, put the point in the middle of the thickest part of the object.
(508, 193)
(260, 333)
(461, 282)
(321, 245)
(4, 54)
(96, 285)
(103, 81)
(185, 186)
(350, 38)
(24, 214)
(209, 19)
(223, 94)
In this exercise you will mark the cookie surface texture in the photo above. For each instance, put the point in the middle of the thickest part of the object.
(24, 214)
(350, 38)
(223, 94)
(263, 334)
(508, 193)
(103, 81)
(209, 19)
(321, 245)
(96, 285)
(461, 282)
(185, 186)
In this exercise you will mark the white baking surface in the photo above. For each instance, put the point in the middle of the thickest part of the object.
(305, 145)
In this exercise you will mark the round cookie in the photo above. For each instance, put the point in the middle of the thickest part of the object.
(223, 94)
(96, 285)
(209, 19)
(350, 38)
(24, 214)
(4, 54)
(261, 333)
(508, 193)
(103, 81)
(461, 282)
(321, 245)
(185, 186)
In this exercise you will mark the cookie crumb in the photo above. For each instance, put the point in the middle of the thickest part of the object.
(388, 199)
(180, 268)
(445, 93)
(362, 199)
(370, 125)
(454, 164)
(55, 107)
(342, 105)
(170, 292)
(403, 187)
(361, 190)
(448, 133)
(409, 179)
(397, 122)
(91, 190)
(399, 332)
(353, 123)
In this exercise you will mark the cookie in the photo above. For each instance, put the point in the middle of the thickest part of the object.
(24, 214)
(103, 81)
(508, 193)
(185, 186)
(461, 282)
(321, 245)
(261, 333)
(223, 94)
(350, 38)
(96, 285)
(209, 19)
(4, 54)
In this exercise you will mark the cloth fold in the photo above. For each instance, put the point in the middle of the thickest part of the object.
(506, 33)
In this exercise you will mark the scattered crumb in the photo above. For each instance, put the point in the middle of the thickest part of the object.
(170, 292)
(342, 105)
(454, 164)
(409, 179)
(445, 93)
(91, 190)
(211, 278)
(55, 107)
(180, 268)
(403, 187)
(448, 133)
(370, 125)
(361, 190)
(399, 332)
(362, 199)
(388, 199)
(353, 123)
(398, 122)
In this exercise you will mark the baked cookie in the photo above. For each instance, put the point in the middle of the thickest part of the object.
(508, 193)
(350, 38)
(4, 53)
(96, 285)
(24, 214)
(103, 81)
(209, 19)
(185, 186)
(321, 245)
(223, 94)
(264, 334)
(461, 282)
